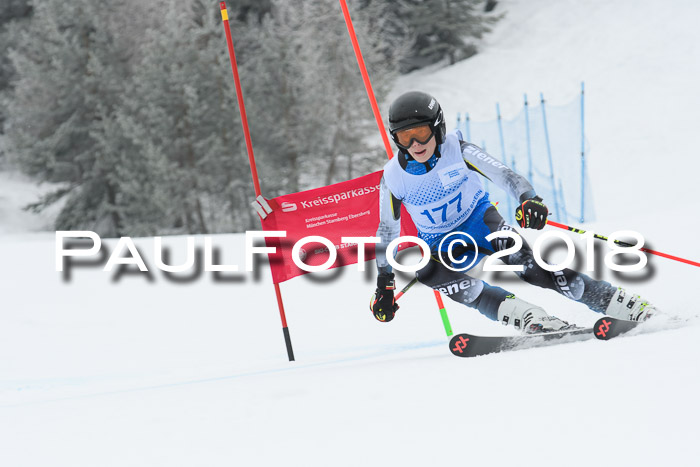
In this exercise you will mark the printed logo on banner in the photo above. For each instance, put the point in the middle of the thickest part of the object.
(289, 207)
(452, 174)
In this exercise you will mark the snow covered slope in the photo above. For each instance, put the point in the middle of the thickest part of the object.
(105, 370)
(98, 369)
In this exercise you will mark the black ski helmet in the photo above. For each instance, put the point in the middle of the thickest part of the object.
(413, 109)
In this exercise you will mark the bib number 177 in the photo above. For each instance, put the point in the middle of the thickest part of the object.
(442, 209)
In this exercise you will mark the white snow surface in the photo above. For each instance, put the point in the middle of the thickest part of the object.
(98, 370)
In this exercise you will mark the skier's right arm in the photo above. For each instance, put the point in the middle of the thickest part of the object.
(383, 305)
(389, 225)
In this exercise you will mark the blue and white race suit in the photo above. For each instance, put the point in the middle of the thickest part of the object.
(446, 196)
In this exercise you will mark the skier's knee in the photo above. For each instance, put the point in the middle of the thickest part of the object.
(425, 275)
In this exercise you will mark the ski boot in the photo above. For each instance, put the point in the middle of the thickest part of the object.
(529, 318)
(624, 305)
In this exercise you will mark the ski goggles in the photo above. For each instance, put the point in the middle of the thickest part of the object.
(405, 138)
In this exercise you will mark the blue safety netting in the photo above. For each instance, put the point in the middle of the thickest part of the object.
(547, 145)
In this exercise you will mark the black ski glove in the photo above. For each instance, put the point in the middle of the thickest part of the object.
(532, 214)
(383, 306)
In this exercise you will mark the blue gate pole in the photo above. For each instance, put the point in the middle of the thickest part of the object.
(583, 161)
(458, 121)
(549, 154)
(565, 219)
(486, 180)
(503, 153)
(469, 131)
(527, 136)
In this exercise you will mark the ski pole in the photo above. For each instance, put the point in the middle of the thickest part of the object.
(405, 289)
(602, 237)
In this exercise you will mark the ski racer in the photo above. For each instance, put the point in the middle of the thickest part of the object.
(437, 177)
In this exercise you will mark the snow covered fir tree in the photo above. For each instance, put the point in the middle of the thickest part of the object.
(129, 108)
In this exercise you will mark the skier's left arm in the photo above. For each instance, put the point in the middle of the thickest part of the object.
(531, 213)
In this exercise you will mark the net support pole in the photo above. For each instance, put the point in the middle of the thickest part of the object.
(504, 158)
(549, 155)
(583, 162)
(467, 123)
(380, 125)
(530, 175)
(251, 160)
(562, 200)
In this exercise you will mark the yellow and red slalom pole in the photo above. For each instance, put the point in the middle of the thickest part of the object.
(251, 160)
